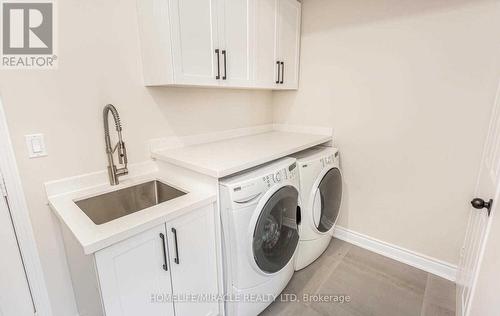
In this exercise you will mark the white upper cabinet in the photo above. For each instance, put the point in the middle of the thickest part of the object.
(288, 43)
(235, 27)
(220, 43)
(194, 40)
(264, 39)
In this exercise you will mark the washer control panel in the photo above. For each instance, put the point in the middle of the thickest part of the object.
(280, 175)
(247, 188)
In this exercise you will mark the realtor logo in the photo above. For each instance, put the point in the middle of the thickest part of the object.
(28, 35)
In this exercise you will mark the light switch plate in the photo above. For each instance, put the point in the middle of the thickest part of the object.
(36, 145)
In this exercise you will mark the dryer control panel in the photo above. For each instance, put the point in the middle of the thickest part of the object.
(330, 159)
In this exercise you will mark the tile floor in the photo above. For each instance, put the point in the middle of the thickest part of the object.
(376, 286)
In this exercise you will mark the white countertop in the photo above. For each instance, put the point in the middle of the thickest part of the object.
(209, 160)
(222, 158)
(94, 237)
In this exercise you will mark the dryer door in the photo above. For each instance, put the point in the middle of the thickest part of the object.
(326, 204)
(275, 236)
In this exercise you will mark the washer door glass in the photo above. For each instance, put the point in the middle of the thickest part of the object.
(275, 237)
(326, 204)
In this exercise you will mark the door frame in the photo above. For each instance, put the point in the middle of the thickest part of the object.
(21, 220)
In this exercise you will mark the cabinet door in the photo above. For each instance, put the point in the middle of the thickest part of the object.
(234, 24)
(265, 70)
(289, 42)
(194, 40)
(193, 261)
(133, 278)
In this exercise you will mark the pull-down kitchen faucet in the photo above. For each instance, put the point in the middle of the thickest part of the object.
(114, 172)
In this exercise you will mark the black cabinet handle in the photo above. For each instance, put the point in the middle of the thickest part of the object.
(224, 53)
(176, 259)
(218, 64)
(278, 64)
(164, 252)
(282, 72)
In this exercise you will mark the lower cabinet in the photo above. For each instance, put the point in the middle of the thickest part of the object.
(193, 263)
(171, 269)
(132, 277)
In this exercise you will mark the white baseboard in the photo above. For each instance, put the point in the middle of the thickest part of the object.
(432, 265)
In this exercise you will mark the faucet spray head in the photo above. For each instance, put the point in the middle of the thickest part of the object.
(122, 153)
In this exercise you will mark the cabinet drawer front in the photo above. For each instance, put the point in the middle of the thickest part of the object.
(132, 276)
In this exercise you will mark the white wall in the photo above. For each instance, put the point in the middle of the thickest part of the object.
(408, 86)
(99, 63)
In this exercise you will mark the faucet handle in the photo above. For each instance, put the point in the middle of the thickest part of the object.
(122, 153)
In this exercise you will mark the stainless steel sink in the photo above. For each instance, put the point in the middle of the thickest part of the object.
(109, 206)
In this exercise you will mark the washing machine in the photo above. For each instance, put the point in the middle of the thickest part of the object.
(260, 234)
(321, 195)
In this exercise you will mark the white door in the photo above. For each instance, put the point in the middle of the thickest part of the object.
(484, 299)
(15, 295)
(265, 69)
(191, 242)
(289, 12)
(194, 41)
(235, 28)
(134, 275)
(487, 188)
